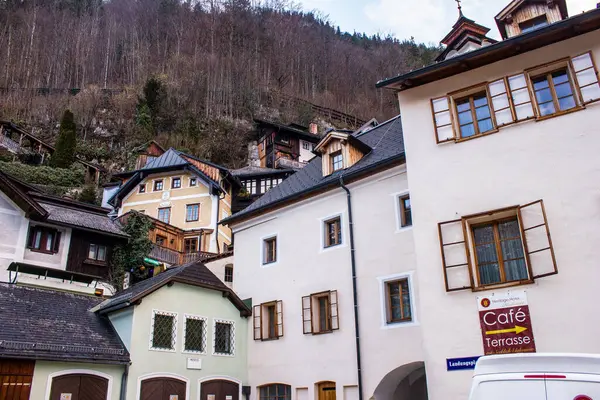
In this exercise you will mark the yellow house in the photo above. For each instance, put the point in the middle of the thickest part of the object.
(186, 197)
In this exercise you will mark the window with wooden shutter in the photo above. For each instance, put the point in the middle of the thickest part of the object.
(501, 102)
(268, 320)
(499, 248)
(320, 312)
(586, 75)
(442, 120)
(279, 317)
(521, 99)
(455, 256)
(537, 240)
(257, 322)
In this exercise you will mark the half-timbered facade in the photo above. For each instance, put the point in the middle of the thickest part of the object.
(503, 174)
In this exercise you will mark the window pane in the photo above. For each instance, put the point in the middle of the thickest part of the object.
(591, 92)
(586, 77)
(442, 118)
(543, 95)
(195, 335)
(49, 241)
(500, 102)
(463, 105)
(516, 270)
(497, 87)
(440, 104)
(521, 96)
(560, 77)
(489, 274)
(480, 101)
(482, 112)
(512, 249)
(486, 253)
(37, 239)
(567, 103)
(563, 90)
(162, 337)
(485, 125)
(540, 83)
(582, 62)
(101, 253)
(483, 234)
(92, 252)
(517, 82)
(547, 109)
(394, 288)
(524, 111)
(223, 338)
(465, 117)
(509, 229)
(504, 117)
(467, 130)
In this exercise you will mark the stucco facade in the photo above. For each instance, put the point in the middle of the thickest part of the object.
(182, 299)
(554, 160)
(383, 251)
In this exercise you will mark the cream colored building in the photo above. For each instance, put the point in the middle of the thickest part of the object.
(503, 172)
(183, 192)
(293, 255)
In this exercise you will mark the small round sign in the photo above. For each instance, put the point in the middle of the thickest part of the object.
(582, 397)
(485, 302)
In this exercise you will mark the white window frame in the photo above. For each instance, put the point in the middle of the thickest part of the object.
(151, 335)
(322, 247)
(214, 337)
(154, 184)
(173, 180)
(397, 211)
(196, 317)
(262, 250)
(383, 280)
(190, 181)
(145, 188)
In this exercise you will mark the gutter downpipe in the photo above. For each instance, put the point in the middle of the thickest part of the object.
(354, 290)
(123, 394)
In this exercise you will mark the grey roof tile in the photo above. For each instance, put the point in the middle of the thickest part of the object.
(51, 325)
(386, 142)
(171, 158)
(82, 219)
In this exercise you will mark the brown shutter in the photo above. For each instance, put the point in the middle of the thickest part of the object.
(456, 259)
(333, 302)
(56, 244)
(307, 315)
(536, 240)
(279, 309)
(586, 76)
(256, 317)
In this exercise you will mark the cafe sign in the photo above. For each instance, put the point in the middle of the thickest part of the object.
(505, 323)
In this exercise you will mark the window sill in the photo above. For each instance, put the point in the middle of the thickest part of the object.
(322, 333)
(192, 220)
(560, 113)
(163, 350)
(223, 354)
(197, 353)
(404, 229)
(502, 285)
(332, 248)
(41, 251)
(95, 262)
(460, 140)
(268, 339)
(396, 325)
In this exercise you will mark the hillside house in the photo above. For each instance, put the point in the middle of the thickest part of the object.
(186, 198)
(503, 168)
(55, 242)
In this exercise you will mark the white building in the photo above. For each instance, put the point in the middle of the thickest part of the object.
(503, 171)
(294, 258)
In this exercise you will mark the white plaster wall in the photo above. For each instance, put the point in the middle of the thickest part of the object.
(185, 299)
(305, 155)
(217, 267)
(555, 160)
(303, 268)
(45, 370)
(12, 236)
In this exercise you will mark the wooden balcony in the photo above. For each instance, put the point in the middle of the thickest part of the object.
(174, 257)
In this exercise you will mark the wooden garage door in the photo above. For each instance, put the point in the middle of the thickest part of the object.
(220, 389)
(163, 389)
(15, 379)
(79, 387)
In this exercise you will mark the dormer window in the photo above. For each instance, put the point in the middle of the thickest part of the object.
(533, 24)
(337, 160)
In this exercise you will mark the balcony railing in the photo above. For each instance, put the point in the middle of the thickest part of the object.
(174, 257)
(11, 145)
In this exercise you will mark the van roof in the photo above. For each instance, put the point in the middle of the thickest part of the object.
(544, 362)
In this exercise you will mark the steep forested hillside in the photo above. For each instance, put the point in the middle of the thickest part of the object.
(215, 62)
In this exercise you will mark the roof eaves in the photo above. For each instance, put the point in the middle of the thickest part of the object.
(316, 188)
(495, 47)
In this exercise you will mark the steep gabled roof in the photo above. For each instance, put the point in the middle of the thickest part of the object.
(387, 147)
(194, 273)
(44, 324)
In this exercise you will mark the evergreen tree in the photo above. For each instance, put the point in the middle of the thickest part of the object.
(89, 195)
(66, 144)
(155, 95)
(130, 257)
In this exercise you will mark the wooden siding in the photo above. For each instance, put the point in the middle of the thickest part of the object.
(78, 253)
(210, 171)
(527, 12)
(16, 377)
(350, 154)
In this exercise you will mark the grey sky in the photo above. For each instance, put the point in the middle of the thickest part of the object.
(425, 20)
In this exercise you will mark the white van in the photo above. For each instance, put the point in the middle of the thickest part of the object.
(537, 377)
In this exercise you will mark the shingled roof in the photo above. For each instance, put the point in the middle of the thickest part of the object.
(387, 147)
(45, 324)
(194, 273)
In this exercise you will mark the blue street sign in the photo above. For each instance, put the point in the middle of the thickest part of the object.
(456, 364)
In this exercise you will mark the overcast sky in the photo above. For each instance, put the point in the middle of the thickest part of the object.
(425, 20)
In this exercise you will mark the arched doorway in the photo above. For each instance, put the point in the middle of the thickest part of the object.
(219, 389)
(407, 382)
(161, 388)
(326, 390)
(79, 387)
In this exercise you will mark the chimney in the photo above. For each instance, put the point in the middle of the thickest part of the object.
(313, 128)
